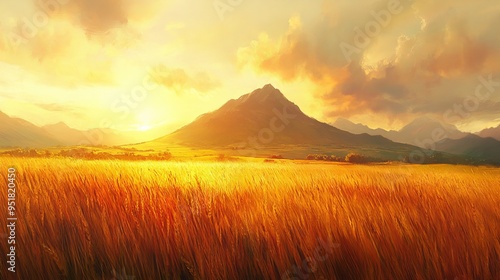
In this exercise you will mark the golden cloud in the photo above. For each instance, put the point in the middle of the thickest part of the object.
(436, 64)
(180, 81)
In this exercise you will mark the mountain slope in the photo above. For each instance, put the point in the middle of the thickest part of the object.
(98, 136)
(265, 118)
(481, 149)
(493, 132)
(65, 134)
(444, 138)
(101, 136)
(15, 132)
(414, 133)
(357, 128)
(425, 128)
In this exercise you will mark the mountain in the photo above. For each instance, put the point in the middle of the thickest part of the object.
(357, 128)
(414, 133)
(101, 136)
(480, 149)
(65, 134)
(428, 133)
(493, 132)
(425, 128)
(16, 132)
(266, 118)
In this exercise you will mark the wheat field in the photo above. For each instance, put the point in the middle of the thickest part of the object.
(83, 219)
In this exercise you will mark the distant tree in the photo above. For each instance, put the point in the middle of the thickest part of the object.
(324, 157)
(311, 157)
(165, 155)
(335, 158)
(355, 158)
(33, 153)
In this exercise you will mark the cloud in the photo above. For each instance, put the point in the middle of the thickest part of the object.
(180, 81)
(56, 107)
(61, 54)
(100, 16)
(422, 58)
(76, 42)
(67, 110)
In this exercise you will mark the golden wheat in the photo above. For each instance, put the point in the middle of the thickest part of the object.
(235, 220)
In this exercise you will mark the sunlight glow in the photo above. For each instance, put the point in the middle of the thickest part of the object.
(144, 127)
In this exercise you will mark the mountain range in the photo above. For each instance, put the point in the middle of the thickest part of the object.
(493, 132)
(265, 117)
(265, 120)
(413, 133)
(428, 133)
(16, 132)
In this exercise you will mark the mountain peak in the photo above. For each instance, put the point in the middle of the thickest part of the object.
(344, 121)
(426, 122)
(58, 128)
(491, 132)
(265, 115)
(267, 96)
(58, 125)
(268, 86)
(269, 89)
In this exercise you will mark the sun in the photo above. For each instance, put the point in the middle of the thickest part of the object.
(144, 127)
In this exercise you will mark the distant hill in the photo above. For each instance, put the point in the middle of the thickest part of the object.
(413, 133)
(19, 133)
(65, 134)
(16, 132)
(357, 128)
(421, 131)
(71, 137)
(481, 149)
(266, 118)
(425, 127)
(493, 132)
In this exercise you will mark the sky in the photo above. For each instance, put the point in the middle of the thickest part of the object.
(136, 65)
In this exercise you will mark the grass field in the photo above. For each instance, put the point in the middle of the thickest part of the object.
(248, 220)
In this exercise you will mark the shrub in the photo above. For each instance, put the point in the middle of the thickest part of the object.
(355, 158)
